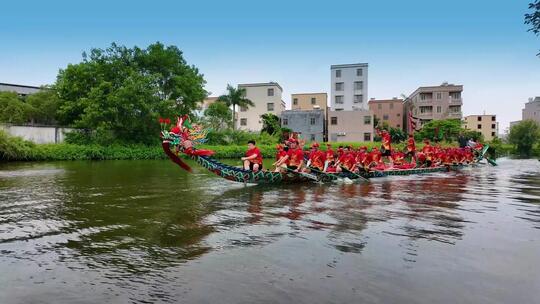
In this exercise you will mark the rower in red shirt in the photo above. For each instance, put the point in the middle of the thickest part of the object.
(281, 153)
(253, 160)
(386, 147)
(317, 158)
(295, 159)
(428, 152)
(411, 148)
(347, 160)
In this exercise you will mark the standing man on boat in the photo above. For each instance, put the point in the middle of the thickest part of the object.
(253, 160)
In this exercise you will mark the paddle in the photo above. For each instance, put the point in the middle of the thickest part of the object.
(354, 174)
(306, 175)
(317, 171)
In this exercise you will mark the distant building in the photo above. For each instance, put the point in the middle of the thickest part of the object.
(388, 110)
(204, 105)
(350, 126)
(485, 124)
(21, 90)
(267, 99)
(312, 101)
(434, 103)
(309, 124)
(349, 83)
(532, 110)
(513, 123)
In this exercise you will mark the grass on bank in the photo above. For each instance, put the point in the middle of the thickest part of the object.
(17, 149)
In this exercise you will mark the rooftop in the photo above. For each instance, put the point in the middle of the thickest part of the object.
(19, 85)
(261, 84)
(350, 65)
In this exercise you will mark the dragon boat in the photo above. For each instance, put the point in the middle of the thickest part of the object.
(182, 139)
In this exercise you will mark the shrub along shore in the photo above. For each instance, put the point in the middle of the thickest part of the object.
(17, 149)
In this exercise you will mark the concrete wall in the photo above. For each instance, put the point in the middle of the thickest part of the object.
(532, 110)
(38, 135)
(300, 121)
(349, 77)
(389, 111)
(485, 124)
(258, 93)
(350, 126)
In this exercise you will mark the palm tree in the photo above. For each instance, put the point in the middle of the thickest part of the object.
(235, 97)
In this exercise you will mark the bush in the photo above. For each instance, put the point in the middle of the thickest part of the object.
(524, 136)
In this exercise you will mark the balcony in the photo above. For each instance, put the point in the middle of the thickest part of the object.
(456, 102)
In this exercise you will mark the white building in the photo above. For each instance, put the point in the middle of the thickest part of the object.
(349, 84)
(267, 99)
(532, 110)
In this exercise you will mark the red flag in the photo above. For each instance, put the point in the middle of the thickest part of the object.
(412, 123)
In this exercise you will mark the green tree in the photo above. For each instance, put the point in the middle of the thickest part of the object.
(271, 124)
(120, 92)
(45, 105)
(439, 130)
(235, 97)
(218, 116)
(524, 136)
(533, 18)
(13, 109)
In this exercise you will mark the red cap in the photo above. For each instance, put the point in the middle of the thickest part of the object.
(315, 144)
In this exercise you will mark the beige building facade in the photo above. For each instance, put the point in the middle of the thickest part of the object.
(310, 101)
(485, 124)
(532, 110)
(388, 110)
(267, 98)
(347, 126)
(434, 103)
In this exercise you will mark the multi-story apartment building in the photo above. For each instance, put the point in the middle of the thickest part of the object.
(21, 90)
(435, 102)
(532, 110)
(312, 101)
(309, 124)
(349, 83)
(350, 126)
(485, 124)
(388, 110)
(267, 99)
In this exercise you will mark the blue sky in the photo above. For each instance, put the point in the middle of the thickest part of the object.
(480, 44)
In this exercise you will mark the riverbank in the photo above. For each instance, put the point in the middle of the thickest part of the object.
(16, 149)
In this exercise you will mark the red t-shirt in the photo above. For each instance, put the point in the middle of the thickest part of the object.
(330, 154)
(255, 151)
(280, 154)
(295, 157)
(317, 159)
(348, 160)
(411, 147)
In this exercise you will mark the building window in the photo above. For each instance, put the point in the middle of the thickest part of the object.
(359, 72)
(398, 114)
(313, 100)
(426, 110)
(358, 98)
(492, 118)
(379, 106)
(339, 86)
(243, 121)
(285, 121)
(243, 109)
(455, 95)
(398, 126)
(270, 106)
(312, 137)
(367, 136)
(385, 117)
(493, 134)
(439, 95)
(439, 109)
(339, 109)
(339, 99)
(479, 118)
(426, 96)
(479, 127)
(312, 120)
(338, 73)
(295, 101)
(493, 126)
(358, 85)
(333, 120)
(391, 106)
(367, 120)
(455, 109)
(270, 92)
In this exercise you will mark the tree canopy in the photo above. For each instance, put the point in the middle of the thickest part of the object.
(524, 135)
(38, 108)
(446, 130)
(533, 18)
(235, 97)
(218, 116)
(120, 92)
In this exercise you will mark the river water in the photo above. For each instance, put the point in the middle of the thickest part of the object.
(147, 232)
